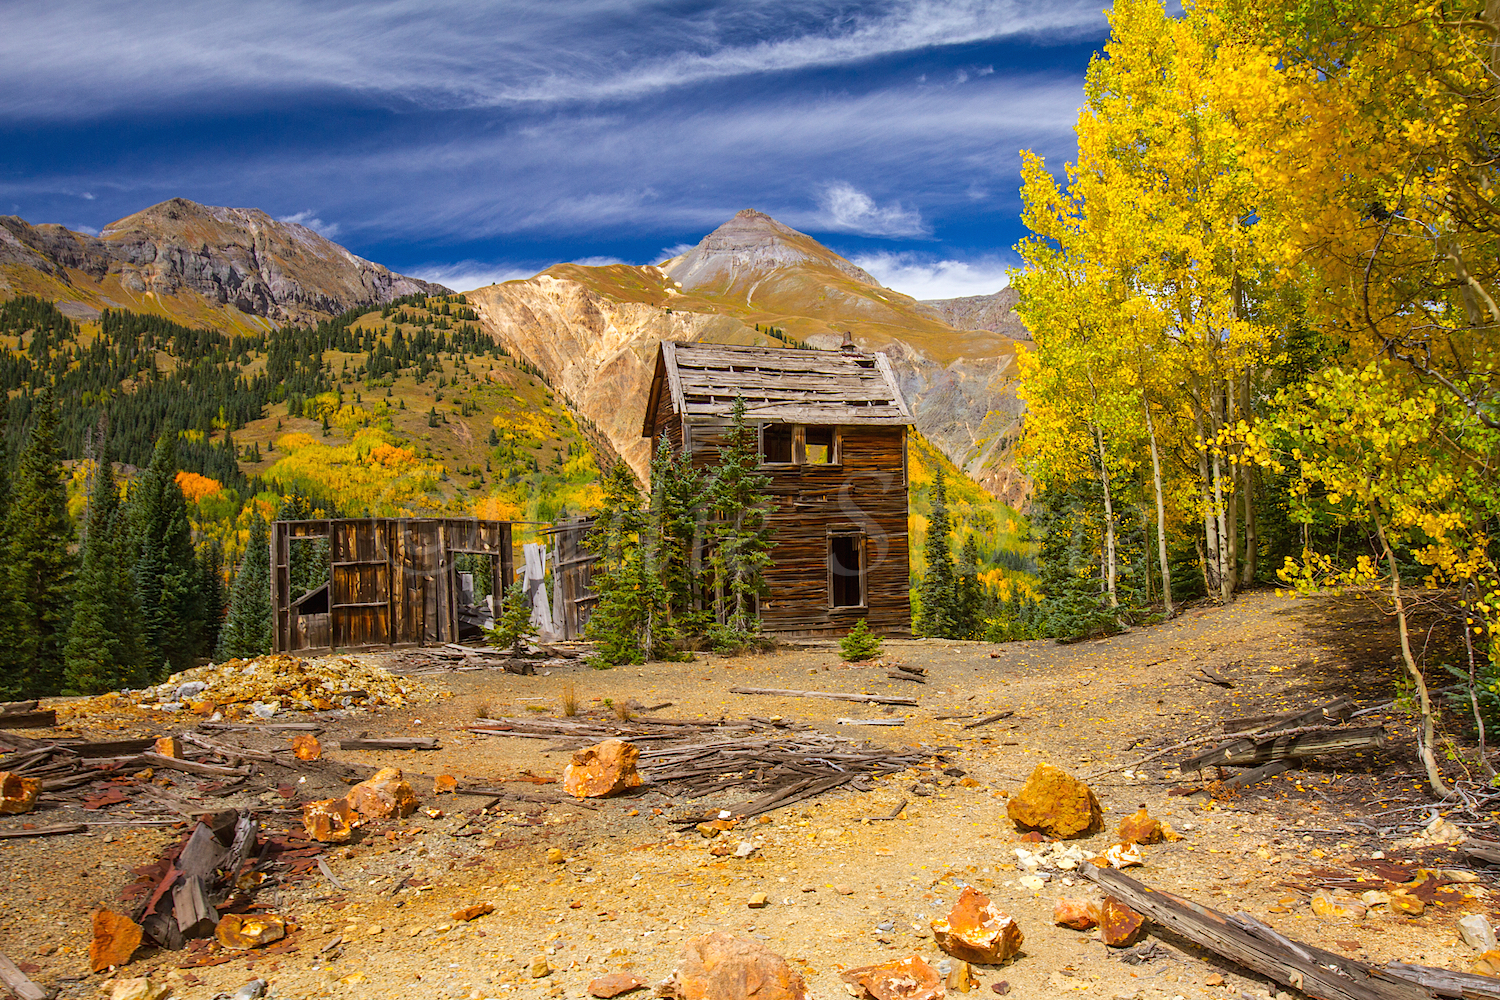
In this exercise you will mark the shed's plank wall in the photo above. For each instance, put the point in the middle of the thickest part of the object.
(865, 492)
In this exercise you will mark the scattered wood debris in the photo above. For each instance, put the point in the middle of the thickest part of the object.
(26, 715)
(874, 699)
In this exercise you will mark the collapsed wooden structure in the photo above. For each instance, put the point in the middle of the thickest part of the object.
(831, 428)
(388, 582)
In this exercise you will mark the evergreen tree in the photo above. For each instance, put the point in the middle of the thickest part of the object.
(968, 593)
(737, 501)
(166, 568)
(215, 599)
(103, 651)
(40, 567)
(247, 626)
(860, 643)
(938, 617)
(619, 617)
(676, 498)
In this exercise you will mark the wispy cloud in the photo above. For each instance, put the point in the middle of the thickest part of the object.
(466, 53)
(308, 219)
(847, 209)
(926, 278)
(468, 275)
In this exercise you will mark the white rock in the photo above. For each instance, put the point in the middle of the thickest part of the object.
(1477, 932)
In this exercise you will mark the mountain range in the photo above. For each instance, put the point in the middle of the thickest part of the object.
(591, 331)
(229, 268)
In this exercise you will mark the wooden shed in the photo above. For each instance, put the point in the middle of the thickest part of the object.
(832, 429)
(368, 583)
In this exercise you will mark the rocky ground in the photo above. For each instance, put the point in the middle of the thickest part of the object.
(583, 889)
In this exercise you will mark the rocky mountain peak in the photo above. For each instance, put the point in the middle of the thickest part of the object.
(750, 246)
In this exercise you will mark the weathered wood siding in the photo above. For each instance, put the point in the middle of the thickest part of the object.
(390, 580)
(865, 492)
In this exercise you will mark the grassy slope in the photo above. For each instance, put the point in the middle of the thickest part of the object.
(187, 307)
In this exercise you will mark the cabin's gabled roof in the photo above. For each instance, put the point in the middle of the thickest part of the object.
(779, 385)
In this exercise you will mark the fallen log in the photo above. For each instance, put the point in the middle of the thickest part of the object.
(234, 727)
(872, 722)
(1335, 711)
(874, 699)
(1290, 745)
(1259, 774)
(988, 719)
(901, 675)
(1318, 973)
(402, 743)
(18, 982)
(1487, 851)
(7, 707)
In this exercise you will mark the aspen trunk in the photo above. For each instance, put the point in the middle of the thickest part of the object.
(1232, 507)
(1252, 536)
(1216, 516)
(1210, 535)
(1161, 514)
(1109, 524)
(1425, 735)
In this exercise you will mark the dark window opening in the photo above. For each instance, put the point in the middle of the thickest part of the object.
(820, 446)
(314, 602)
(776, 444)
(846, 571)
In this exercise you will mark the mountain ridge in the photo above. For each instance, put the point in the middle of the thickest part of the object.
(189, 262)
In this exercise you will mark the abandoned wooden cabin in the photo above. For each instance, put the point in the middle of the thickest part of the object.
(366, 583)
(832, 429)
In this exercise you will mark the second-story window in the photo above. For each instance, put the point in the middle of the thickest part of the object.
(776, 444)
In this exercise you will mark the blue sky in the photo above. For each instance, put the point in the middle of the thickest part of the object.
(473, 141)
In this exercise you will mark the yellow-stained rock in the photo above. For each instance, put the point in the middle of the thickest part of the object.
(169, 746)
(243, 931)
(1401, 902)
(1119, 925)
(384, 795)
(601, 770)
(904, 979)
(473, 912)
(1326, 904)
(961, 979)
(1078, 914)
(1140, 828)
(443, 784)
(725, 966)
(330, 820)
(307, 747)
(17, 794)
(1055, 802)
(975, 930)
(116, 937)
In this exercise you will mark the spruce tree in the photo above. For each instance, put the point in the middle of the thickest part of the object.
(103, 651)
(968, 593)
(676, 498)
(166, 568)
(39, 565)
(247, 627)
(214, 597)
(737, 501)
(937, 588)
(618, 618)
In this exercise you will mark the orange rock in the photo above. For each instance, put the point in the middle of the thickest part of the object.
(384, 796)
(613, 985)
(976, 931)
(116, 937)
(961, 979)
(202, 707)
(904, 979)
(1078, 914)
(307, 747)
(17, 794)
(169, 746)
(725, 966)
(1119, 924)
(1055, 802)
(243, 931)
(602, 770)
(1140, 828)
(330, 820)
(473, 912)
(444, 783)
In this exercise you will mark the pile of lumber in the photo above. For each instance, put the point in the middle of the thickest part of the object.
(1268, 745)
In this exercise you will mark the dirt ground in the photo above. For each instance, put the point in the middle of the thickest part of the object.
(843, 891)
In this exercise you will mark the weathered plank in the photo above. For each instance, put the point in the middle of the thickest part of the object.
(45, 831)
(1259, 774)
(44, 719)
(191, 766)
(1317, 973)
(404, 743)
(18, 982)
(1335, 711)
(875, 699)
(1287, 746)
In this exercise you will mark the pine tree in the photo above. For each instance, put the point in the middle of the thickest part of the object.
(737, 501)
(39, 564)
(214, 597)
(617, 620)
(968, 593)
(103, 651)
(860, 643)
(676, 499)
(937, 588)
(247, 626)
(166, 568)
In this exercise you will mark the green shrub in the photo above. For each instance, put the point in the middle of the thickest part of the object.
(860, 643)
